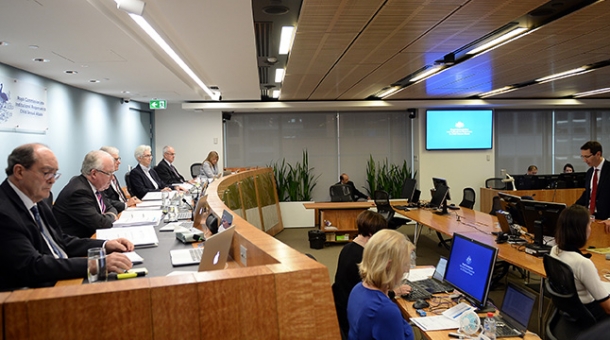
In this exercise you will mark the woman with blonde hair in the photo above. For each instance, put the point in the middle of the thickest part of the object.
(370, 312)
(209, 168)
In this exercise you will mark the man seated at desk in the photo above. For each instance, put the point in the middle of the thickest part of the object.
(356, 194)
(81, 208)
(114, 193)
(143, 177)
(166, 169)
(34, 251)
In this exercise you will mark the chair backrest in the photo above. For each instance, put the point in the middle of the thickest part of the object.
(128, 182)
(495, 205)
(495, 183)
(382, 201)
(341, 193)
(468, 199)
(562, 288)
(195, 167)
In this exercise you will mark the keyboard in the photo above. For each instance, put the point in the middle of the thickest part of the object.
(417, 294)
(431, 286)
(196, 254)
(184, 215)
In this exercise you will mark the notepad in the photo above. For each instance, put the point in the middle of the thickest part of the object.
(142, 236)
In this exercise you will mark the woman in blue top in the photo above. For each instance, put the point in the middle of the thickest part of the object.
(370, 312)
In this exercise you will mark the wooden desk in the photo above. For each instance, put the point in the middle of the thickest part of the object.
(341, 214)
(567, 196)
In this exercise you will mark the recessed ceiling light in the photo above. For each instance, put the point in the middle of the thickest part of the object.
(71, 72)
(41, 60)
(124, 92)
(3, 43)
(94, 81)
(33, 47)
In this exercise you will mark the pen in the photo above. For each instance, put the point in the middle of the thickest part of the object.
(129, 275)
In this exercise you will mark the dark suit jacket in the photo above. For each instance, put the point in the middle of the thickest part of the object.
(25, 258)
(167, 175)
(77, 211)
(113, 197)
(602, 201)
(356, 194)
(140, 184)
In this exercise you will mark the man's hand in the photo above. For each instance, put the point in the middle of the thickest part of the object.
(119, 245)
(133, 201)
(606, 225)
(117, 262)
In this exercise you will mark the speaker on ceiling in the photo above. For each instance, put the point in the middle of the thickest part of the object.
(412, 113)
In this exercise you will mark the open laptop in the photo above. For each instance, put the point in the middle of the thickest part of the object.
(226, 221)
(212, 256)
(435, 284)
(515, 312)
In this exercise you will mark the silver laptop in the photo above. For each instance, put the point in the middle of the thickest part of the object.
(212, 256)
(515, 312)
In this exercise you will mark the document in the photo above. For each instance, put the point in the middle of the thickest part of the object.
(152, 196)
(130, 218)
(134, 257)
(149, 204)
(418, 274)
(450, 319)
(142, 236)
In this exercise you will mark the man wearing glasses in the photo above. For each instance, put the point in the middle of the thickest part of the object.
(81, 207)
(114, 193)
(34, 252)
(143, 177)
(596, 196)
(166, 169)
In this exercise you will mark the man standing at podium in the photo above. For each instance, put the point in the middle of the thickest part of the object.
(596, 196)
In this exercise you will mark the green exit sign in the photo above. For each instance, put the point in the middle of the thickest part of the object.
(158, 104)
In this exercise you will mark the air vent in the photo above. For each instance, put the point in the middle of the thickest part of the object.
(276, 10)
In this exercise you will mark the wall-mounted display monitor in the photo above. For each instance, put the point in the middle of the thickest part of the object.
(459, 129)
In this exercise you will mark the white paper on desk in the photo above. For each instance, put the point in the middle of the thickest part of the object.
(186, 186)
(418, 274)
(153, 196)
(150, 203)
(130, 218)
(170, 226)
(456, 311)
(140, 236)
(435, 323)
(134, 257)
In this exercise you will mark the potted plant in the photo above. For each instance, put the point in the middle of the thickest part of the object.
(387, 177)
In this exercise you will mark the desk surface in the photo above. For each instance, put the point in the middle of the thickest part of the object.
(339, 205)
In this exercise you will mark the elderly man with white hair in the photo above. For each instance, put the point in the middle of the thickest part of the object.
(114, 193)
(81, 208)
(143, 177)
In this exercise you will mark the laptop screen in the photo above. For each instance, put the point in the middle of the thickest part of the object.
(518, 305)
(226, 221)
(439, 271)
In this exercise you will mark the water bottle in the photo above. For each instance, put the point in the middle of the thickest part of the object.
(413, 259)
(489, 326)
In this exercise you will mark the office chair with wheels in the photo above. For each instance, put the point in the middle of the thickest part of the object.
(128, 183)
(382, 201)
(495, 183)
(195, 169)
(570, 317)
(495, 205)
(468, 200)
(341, 193)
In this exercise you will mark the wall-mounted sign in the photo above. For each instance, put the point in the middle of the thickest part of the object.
(157, 104)
(23, 106)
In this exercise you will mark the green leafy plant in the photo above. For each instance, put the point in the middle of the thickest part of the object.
(294, 183)
(387, 177)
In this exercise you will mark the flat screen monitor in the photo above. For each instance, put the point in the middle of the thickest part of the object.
(526, 182)
(512, 204)
(439, 199)
(541, 218)
(440, 181)
(572, 180)
(408, 189)
(470, 268)
(459, 129)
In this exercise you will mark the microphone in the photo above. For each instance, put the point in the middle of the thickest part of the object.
(187, 203)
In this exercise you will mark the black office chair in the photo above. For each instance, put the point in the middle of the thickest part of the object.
(128, 183)
(496, 205)
(382, 201)
(195, 169)
(495, 183)
(341, 193)
(212, 223)
(570, 317)
(468, 200)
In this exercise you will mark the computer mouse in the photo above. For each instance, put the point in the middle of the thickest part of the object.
(419, 304)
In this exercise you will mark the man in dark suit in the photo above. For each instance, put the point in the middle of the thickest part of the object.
(356, 194)
(38, 254)
(143, 178)
(114, 193)
(591, 153)
(166, 169)
(81, 208)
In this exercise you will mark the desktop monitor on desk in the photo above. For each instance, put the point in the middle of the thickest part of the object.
(439, 199)
(470, 268)
(408, 190)
(440, 181)
(572, 180)
(512, 205)
(541, 220)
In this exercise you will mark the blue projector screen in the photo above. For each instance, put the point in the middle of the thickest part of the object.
(459, 129)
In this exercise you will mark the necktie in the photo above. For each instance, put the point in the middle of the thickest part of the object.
(118, 189)
(175, 171)
(45, 234)
(593, 192)
(99, 199)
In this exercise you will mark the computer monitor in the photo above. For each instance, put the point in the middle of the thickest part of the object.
(541, 218)
(440, 181)
(526, 182)
(408, 189)
(439, 199)
(512, 204)
(572, 180)
(470, 268)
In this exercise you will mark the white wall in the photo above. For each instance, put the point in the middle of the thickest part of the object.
(460, 168)
(193, 134)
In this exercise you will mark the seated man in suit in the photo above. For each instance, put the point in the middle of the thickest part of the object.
(356, 194)
(143, 178)
(34, 251)
(166, 169)
(80, 207)
(114, 193)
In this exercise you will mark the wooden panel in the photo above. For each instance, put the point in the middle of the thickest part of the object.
(598, 238)
(175, 308)
(3, 297)
(567, 196)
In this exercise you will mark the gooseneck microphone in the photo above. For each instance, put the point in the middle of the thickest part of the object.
(187, 203)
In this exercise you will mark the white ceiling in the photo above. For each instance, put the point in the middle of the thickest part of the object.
(344, 50)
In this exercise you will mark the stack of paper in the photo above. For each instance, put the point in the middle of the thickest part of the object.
(450, 319)
(130, 218)
(142, 236)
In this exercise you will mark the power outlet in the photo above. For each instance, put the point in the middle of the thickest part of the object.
(243, 254)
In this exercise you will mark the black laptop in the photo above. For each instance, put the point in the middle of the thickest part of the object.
(515, 312)
(435, 284)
